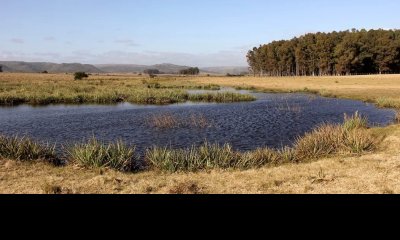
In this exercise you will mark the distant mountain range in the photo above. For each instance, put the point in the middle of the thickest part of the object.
(31, 67)
(130, 68)
(37, 67)
(236, 70)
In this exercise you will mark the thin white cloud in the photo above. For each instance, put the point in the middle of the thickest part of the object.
(17, 40)
(127, 42)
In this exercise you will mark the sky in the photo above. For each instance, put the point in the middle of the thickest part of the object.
(187, 32)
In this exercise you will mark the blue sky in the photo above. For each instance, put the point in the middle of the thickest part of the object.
(202, 33)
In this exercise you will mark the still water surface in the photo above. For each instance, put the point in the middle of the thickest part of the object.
(274, 120)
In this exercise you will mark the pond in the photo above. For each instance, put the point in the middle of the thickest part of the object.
(274, 120)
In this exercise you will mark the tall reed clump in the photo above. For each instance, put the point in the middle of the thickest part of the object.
(352, 137)
(211, 156)
(169, 121)
(207, 156)
(95, 154)
(356, 121)
(386, 102)
(221, 97)
(260, 157)
(164, 121)
(25, 149)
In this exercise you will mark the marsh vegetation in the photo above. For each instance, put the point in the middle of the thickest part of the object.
(352, 137)
(329, 158)
(44, 89)
(168, 121)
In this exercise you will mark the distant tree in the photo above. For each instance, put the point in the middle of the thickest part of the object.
(80, 75)
(190, 71)
(152, 71)
(1, 68)
(45, 72)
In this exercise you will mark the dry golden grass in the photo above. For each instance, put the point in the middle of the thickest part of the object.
(381, 89)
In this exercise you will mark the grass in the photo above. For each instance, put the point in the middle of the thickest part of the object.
(325, 141)
(329, 140)
(25, 149)
(95, 154)
(157, 85)
(207, 156)
(397, 116)
(44, 89)
(370, 172)
(385, 102)
(168, 121)
(383, 90)
(221, 97)
(355, 121)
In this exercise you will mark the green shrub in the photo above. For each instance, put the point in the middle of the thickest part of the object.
(80, 75)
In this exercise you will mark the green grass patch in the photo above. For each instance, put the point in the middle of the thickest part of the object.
(25, 149)
(95, 154)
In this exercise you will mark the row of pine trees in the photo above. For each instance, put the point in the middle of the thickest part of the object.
(336, 53)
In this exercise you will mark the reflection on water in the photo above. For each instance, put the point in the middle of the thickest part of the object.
(274, 120)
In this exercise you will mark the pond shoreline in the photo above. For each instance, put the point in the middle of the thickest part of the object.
(273, 120)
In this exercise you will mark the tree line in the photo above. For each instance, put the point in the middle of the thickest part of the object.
(335, 53)
(190, 71)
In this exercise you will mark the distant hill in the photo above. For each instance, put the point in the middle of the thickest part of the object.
(225, 70)
(33, 67)
(5, 68)
(169, 68)
(121, 68)
(130, 68)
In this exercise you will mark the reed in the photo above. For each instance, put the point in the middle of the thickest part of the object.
(207, 156)
(388, 102)
(164, 121)
(397, 116)
(221, 97)
(355, 121)
(25, 149)
(95, 154)
(169, 121)
(352, 137)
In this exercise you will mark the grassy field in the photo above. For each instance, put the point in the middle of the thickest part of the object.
(383, 90)
(371, 172)
(42, 89)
